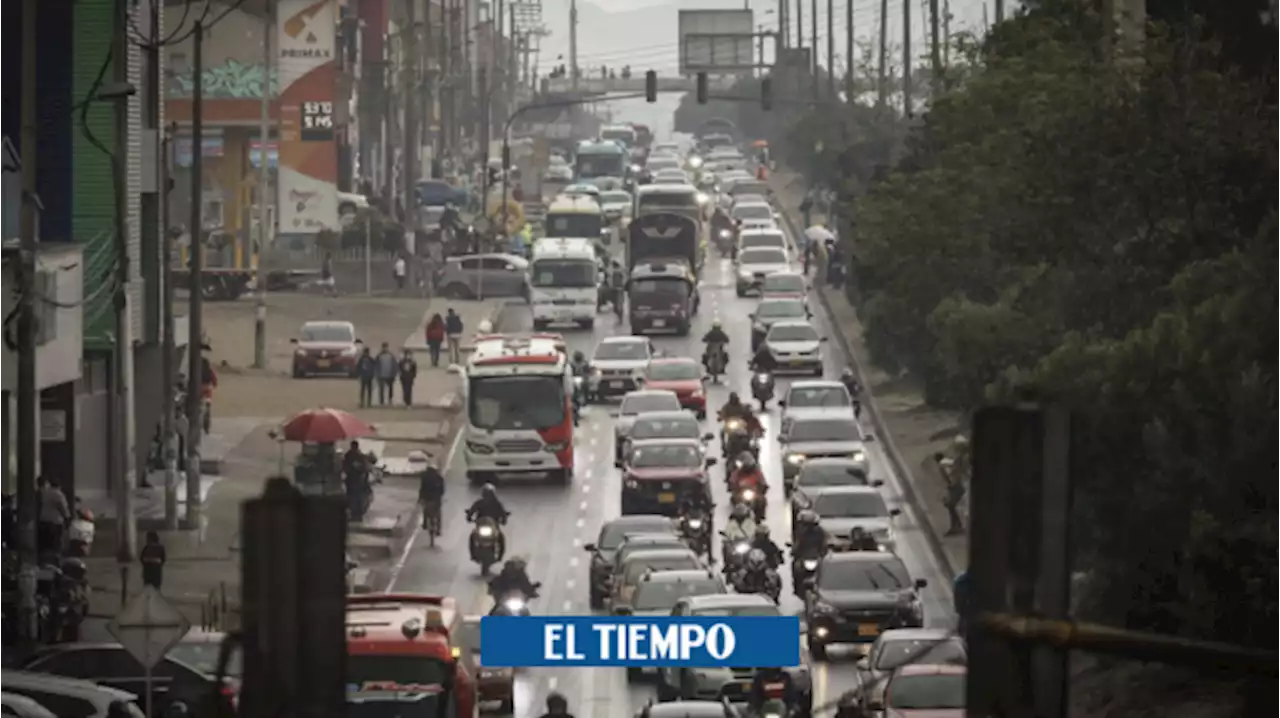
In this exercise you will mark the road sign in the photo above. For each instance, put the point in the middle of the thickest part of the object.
(148, 627)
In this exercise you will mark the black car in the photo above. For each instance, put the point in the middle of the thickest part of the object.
(857, 595)
(109, 664)
(612, 534)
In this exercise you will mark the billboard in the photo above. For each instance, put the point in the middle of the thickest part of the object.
(717, 41)
(306, 36)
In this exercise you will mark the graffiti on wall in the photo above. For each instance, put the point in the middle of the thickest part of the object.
(231, 80)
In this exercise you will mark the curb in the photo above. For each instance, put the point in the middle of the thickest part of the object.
(900, 465)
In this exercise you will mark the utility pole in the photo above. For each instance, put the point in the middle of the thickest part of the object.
(195, 336)
(426, 79)
(999, 10)
(946, 33)
(907, 105)
(935, 48)
(442, 82)
(122, 361)
(28, 421)
(800, 25)
(813, 45)
(265, 235)
(882, 88)
(169, 350)
(412, 119)
(485, 129)
(849, 81)
(783, 32)
(831, 48)
(573, 42)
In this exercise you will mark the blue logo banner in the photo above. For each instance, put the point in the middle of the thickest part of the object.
(636, 641)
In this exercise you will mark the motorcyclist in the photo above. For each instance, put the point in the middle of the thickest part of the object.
(810, 538)
(735, 408)
(579, 364)
(696, 502)
(759, 688)
(962, 593)
(618, 284)
(755, 566)
(490, 507)
(513, 578)
(557, 707)
(748, 474)
(717, 340)
(763, 360)
(355, 467)
(860, 540)
(761, 541)
(450, 219)
(855, 390)
(741, 525)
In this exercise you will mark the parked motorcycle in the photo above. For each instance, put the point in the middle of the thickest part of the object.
(762, 388)
(62, 597)
(485, 540)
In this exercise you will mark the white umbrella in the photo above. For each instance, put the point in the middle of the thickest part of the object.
(818, 233)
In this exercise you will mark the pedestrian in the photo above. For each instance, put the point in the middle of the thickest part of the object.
(153, 557)
(400, 270)
(954, 494)
(326, 274)
(366, 370)
(387, 369)
(408, 373)
(54, 515)
(453, 329)
(435, 337)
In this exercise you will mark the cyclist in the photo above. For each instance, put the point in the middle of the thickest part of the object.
(430, 495)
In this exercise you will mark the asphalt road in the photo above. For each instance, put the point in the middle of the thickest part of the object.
(550, 524)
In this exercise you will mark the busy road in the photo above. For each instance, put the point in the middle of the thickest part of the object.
(549, 525)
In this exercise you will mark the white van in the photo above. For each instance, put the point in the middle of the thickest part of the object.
(564, 281)
(574, 216)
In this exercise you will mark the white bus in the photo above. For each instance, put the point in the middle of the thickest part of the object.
(574, 216)
(564, 279)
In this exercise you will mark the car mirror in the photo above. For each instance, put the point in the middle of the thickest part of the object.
(711, 462)
(622, 611)
(863, 663)
(639, 380)
(615, 414)
(868, 439)
(589, 547)
(708, 436)
(359, 341)
(617, 464)
(293, 341)
(822, 339)
(782, 404)
(894, 513)
(877, 483)
(922, 582)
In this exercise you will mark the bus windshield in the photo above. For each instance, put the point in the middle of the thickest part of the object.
(600, 165)
(516, 402)
(569, 273)
(577, 224)
(684, 200)
(396, 686)
(626, 134)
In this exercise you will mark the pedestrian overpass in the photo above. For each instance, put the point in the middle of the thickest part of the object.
(634, 84)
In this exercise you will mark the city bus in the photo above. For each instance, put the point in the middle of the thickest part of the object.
(574, 216)
(518, 393)
(599, 160)
(626, 134)
(564, 280)
(401, 659)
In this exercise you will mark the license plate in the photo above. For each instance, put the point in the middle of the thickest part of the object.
(659, 323)
(797, 362)
(868, 629)
(613, 384)
(322, 363)
(666, 498)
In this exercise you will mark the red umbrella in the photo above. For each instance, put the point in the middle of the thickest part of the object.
(325, 425)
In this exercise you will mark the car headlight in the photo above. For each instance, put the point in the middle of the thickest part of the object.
(514, 605)
(698, 394)
(478, 448)
(485, 531)
(748, 495)
(349, 352)
(702, 198)
(763, 377)
(695, 523)
(597, 373)
(301, 352)
(741, 548)
(557, 447)
(795, 459)
(811, 564)
(859, 456)
(823, 607)
(631, 484)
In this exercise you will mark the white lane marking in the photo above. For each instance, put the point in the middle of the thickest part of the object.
(594, 441)
(577, 542)
(573, 562)
(582, 522)
(398, 566)
(552, 682)
(568, 605)
(570, 584)
(586, 473)
(586, 488)
(582, 506)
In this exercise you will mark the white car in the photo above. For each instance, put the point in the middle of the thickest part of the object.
(754, 215)
(841, 509)
(674, 175)
(616, 204)
(635, 403)
(753, 237)
(795, 346)
(812, 437)
(812, 397)
(753, 265)
(616, 364)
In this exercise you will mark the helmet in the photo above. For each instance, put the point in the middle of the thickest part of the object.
(734, 398)
(485, 327)
(808, 517)
(756, 558)
(847, 373)
(762, 531)
(579, 357)
(488, 491)
(556, 703)
(739, 512)
(747, 461)
(857, 532)
(715, 324)
(515, 563)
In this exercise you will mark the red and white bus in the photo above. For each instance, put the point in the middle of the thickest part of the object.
(518, 392)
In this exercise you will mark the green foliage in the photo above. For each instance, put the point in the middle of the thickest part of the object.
(1105, 234)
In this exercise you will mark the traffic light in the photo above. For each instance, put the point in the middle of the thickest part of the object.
(702, 88)
(766, 93)
(651, 86)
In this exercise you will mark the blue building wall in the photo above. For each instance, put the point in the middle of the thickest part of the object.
(55, 119)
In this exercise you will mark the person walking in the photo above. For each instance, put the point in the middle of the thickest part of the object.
(54, 515)
(153, 557)
(408, 373)
(326, 274)
(366, 370)
(387, 368)
(400, 270)
(453, 329)
(435, 337)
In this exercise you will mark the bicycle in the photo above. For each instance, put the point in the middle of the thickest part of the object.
(431, 520)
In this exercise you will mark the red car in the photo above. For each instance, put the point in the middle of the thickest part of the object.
(326, 348)
(682, 376)
(659, 474)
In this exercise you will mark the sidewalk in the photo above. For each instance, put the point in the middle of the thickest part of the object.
(911, 430)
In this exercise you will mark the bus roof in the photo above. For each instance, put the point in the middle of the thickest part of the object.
(588, 147)
(506, 354)
(392, 623)
(648, 189)
(564, 248)
(574, 204)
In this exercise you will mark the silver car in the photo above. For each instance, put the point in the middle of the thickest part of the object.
(753, 265)
(636, 403)
(680, 683)
(807, 397)
(754, 215)
(771, 311)
(898, 647)
(841, 509)
(616, 365)
(818, 436)
(616, 204)
(795, 346)
(753, 237)
(484, 275)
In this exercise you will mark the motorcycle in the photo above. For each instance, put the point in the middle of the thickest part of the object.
(765, 582)
(81, 532)
(485, 538)
(762, 388)
(804, 568)
(752, 492)
(695, 527)
(62, 598)
(736, 438)
(714, 360)
(734, 549)
(513, 603)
